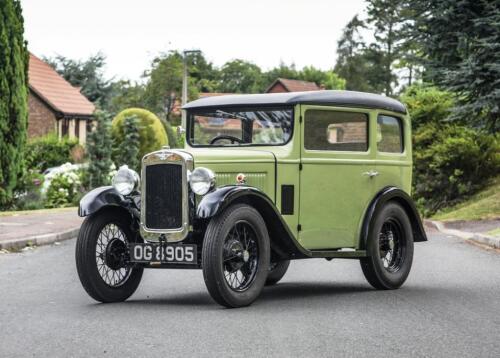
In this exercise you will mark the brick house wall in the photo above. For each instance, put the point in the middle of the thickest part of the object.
(41, 119)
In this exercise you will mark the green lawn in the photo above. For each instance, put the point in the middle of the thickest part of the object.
(483, 205)
(40, 211)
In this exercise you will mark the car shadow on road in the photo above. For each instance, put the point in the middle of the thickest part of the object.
(280, 292)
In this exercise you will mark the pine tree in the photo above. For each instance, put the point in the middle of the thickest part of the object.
(461, 40)
(14, 59)
(128, 151)
(99, 146)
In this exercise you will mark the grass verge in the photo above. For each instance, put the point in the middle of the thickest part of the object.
(481, 206)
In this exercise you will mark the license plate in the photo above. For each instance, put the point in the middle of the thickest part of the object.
(163, 253)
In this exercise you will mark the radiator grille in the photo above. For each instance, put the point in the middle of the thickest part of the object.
(163, 196)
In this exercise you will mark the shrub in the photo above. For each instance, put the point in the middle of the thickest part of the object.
(151, 132)
(451, 162)
(99, 146)
(427, 104)
(50, 151)
(65, 187)
(27, 194)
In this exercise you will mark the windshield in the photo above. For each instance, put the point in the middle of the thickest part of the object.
(240, 127)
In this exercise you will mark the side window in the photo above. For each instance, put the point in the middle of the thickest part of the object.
(389, 134)
(335, 130)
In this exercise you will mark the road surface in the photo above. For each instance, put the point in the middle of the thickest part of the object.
(449, 307)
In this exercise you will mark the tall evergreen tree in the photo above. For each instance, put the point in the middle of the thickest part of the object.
(99, 146)
(461, 40)
(128, 150)
(14, 59)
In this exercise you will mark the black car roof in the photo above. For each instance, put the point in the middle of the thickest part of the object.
(337, 98)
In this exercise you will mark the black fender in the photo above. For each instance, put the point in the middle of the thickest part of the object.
(105, 196)
(402, 198)
(283, 242)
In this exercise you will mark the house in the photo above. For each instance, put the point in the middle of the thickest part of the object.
(55, 106)
(285, 85)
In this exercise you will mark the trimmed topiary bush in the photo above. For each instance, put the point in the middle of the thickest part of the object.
(152, 135)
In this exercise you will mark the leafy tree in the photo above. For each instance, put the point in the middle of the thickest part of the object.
(461, 40)
(86, 74)
(282, 71)
(99, 146)
(164, 85)
(128, 150)
(387, 18)
(239, 76)
(14, 97)
(126, 94)
(327, 79)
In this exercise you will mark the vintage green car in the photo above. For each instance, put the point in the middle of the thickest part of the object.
(263, 179)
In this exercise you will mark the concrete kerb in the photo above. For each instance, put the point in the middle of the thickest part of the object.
(38, 240)
(472, 236)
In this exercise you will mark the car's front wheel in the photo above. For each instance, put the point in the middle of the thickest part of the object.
(101, 257)
(235, 256)
(389, 248)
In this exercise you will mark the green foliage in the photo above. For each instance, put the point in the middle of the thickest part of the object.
(239, 76)
(127, 152)
(451, 162)
(88, 75)
(427, 104)
(49, 151)
(14, 97)
(152, 134)
(64, 190)
(27, 194)
(461, 40)
(99, 146)
(126, 94)
(171, 134)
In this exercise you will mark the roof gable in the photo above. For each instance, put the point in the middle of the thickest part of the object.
(56, 91)
(294, 85)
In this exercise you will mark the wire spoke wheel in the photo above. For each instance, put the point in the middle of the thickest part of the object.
(391, 245)
(111, 248)
(240, 256)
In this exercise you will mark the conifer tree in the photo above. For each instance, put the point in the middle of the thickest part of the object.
(99, 146)
(14, 59)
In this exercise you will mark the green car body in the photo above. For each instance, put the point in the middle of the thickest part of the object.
(322, 174)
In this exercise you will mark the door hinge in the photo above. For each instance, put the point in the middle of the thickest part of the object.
(300, 166)
(299, 227)
(300, 118)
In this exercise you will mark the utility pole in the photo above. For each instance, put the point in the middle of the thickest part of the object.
(185, 82)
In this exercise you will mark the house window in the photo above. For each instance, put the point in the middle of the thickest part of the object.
(336, 131)
(389, 134)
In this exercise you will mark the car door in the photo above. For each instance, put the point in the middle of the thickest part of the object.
(336, 185)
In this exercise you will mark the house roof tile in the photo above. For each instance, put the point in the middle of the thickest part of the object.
(56, 91)
(295, 85)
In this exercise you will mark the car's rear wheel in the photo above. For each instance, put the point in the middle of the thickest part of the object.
(101, 257)
(235, 256)
(389, 248)
(276, 271)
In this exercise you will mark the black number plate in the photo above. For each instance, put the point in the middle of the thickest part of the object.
(164, 253)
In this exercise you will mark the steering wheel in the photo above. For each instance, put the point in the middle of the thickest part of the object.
(226, 137)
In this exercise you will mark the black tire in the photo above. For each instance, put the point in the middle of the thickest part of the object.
(276, 272)
(87, 251)
(387, 268)
(224, 249)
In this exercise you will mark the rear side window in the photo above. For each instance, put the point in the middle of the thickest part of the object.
(336, 131)
(389, 134)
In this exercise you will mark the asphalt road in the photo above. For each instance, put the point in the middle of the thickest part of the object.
(448, 307)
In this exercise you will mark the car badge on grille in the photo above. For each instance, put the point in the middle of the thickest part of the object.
(241, 178)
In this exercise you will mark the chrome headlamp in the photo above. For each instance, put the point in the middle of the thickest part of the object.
(201, 180)
(125, 180)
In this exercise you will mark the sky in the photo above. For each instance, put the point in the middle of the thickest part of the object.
(131, 33)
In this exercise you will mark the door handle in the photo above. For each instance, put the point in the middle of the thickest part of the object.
(371, 173)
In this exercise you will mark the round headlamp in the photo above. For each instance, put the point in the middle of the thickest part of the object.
(125, 180)
(201, 180)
